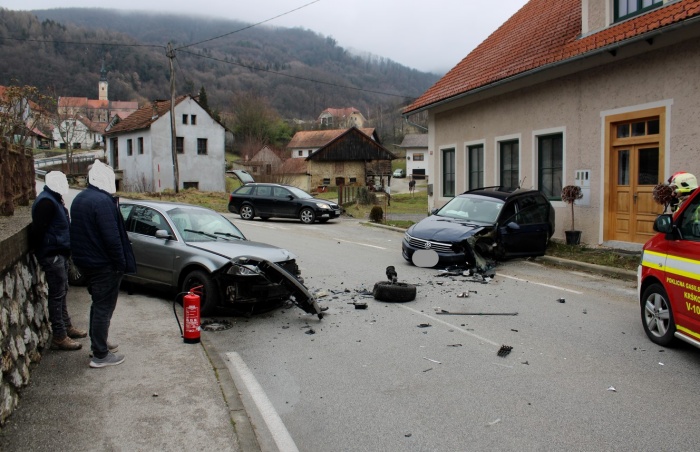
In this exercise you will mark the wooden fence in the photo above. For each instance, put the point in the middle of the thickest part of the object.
(17, 185)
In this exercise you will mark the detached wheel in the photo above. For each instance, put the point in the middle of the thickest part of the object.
(209, 295)
(75, 277)
(395, 293)
(247, 212)
(657, 316)
(307, 215)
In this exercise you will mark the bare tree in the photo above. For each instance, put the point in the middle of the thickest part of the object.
(72, 124)
(22, 110)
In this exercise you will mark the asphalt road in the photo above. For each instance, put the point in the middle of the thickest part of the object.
(581, 374)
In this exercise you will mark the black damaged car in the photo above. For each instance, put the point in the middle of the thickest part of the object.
(485, 223)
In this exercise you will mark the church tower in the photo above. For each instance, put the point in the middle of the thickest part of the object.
(103, 85)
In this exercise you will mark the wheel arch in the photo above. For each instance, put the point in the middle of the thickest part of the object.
(646, 282)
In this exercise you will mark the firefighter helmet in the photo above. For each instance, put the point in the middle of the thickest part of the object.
(684, 183)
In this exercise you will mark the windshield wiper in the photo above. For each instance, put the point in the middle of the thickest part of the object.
(228, 234)
(211, 236)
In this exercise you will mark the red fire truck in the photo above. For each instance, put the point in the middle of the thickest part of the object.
(668, 278)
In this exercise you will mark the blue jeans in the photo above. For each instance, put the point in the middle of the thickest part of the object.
(103, 286)
(56, 270)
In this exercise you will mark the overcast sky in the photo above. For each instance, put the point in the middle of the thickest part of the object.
(425, 35)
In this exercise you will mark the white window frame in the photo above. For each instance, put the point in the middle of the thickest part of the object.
(497, 155)
(535, 154)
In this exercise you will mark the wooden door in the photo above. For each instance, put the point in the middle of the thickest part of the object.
(636, 169)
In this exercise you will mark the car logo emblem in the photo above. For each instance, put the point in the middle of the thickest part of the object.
(427, 245)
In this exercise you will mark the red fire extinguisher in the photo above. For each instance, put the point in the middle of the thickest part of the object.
(190, 305)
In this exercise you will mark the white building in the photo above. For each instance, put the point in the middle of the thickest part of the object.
(141, 147)
(416, 146)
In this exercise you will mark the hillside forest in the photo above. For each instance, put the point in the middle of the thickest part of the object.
(288, 75)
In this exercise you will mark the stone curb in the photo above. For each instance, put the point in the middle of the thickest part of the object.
(245, 432)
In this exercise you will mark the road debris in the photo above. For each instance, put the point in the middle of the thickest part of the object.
(311, 331)
(424, 325)
(428, 370)
(612, 389)
(444, 312)
(494, 422)
(504, 350)
(432, 360)
(359, 305)
(561, 300)
(454, 345)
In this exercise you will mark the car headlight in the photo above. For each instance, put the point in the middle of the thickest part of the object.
(323, 206)
(242, 270)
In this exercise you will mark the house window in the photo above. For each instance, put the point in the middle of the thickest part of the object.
(180, 145)
(638, 128)
(353, 180)
(448, 172)
(187, 185)
(510, 163)
(625, 9)
(129, 147)
(202, 146)
(193, 120)
(268, 169)
(418, 157)
(550, 160)
(184, 119)
(326, 181)
(140, 145)
(301, 153)
(476, 166)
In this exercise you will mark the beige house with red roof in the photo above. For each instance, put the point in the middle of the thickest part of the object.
(141, 147)
(600, 93)
(341, 118)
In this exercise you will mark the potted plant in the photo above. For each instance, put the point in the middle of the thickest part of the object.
(570, 194)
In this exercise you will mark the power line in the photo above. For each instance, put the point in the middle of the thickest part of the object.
(249, 26)
(114, 44)
(295, 76)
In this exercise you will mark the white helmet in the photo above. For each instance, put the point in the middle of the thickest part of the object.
(683, 182)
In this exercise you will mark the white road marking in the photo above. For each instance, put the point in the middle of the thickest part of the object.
(361, 244)
(461, 330)
(542, 284)
(274, 423)
(266, 226)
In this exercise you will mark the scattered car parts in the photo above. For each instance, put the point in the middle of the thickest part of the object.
(393, 291)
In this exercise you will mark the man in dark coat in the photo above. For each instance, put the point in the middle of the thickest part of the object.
(51, 241)
(102, 252)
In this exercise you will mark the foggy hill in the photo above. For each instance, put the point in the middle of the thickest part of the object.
(61, 51)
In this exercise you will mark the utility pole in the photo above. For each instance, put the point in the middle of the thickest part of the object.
(173, 135)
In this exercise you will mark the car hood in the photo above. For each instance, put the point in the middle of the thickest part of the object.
(442, 229)
(245, 248)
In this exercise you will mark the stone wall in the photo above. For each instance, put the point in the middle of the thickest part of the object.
(24, 326)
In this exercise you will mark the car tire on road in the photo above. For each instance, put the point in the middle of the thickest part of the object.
(394, 292)
(247, 212)
(657, 316)
(307, 215)
(209, 296)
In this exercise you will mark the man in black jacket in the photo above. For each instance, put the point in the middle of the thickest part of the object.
(102, 252)
(51, 241)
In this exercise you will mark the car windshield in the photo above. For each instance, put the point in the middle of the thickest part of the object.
(479, 209)
(199, 225)
(299, 193)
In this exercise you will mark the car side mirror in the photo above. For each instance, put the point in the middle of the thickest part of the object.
(290, 197)
(513, 225)
(664, 223)
(163, 234)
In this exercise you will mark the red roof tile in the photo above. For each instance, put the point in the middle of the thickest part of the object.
(318, 138)
(144, 116)
(541, 33)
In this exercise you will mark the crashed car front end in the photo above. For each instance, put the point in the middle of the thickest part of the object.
(251, 284)
(475, 249)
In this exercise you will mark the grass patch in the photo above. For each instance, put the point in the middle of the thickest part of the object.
(600, 256)
(213, 200)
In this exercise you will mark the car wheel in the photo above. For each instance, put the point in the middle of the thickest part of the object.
(209, 295)
(75, 277)
(247, 212)
(657, 316)
(394, 292)
(307, 215)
